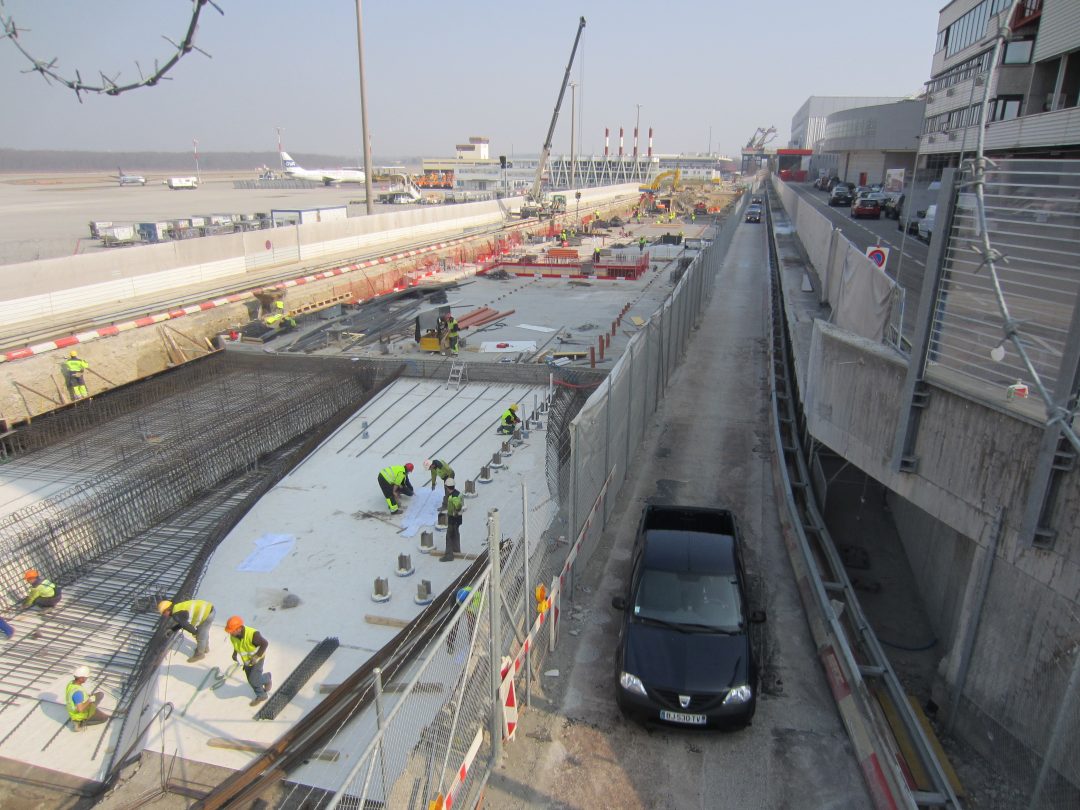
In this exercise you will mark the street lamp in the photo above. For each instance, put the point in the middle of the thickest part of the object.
(198, 175)
(573, 146)
(281, 159)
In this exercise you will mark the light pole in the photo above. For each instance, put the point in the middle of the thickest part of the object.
(573, 145)
(368, 192)
(281, 160)
(198, 175)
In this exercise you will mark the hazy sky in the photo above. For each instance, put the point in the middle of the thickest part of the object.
(438, 72)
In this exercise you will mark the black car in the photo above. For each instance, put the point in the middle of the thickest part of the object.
(753, 213)
(685, 655)
(841, 195)
(893, 204)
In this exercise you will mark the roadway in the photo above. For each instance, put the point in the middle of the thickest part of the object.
(709, 446)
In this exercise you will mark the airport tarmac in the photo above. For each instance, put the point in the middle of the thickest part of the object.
(47, 216)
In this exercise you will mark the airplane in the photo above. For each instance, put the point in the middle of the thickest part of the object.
(129, 179)
(328, 177)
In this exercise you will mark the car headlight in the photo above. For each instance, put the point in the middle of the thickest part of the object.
(740, 694)
(632, 683)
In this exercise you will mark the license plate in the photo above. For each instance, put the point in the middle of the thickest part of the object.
(681, 717)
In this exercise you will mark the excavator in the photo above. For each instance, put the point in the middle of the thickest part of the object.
(535, 203)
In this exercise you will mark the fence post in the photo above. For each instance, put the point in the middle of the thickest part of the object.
(495, 657)
(527, 593)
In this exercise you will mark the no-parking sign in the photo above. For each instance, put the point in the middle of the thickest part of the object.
(878, 254)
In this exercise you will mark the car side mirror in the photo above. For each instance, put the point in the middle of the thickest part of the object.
(757, 616)
(920, 213)
(618, 602)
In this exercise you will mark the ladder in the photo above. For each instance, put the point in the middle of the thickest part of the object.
(458, 375)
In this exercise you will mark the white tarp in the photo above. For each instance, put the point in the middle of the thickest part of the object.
(865, 293)
(270, 550)
(423, 509)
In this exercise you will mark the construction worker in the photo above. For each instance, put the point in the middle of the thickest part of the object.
(249, 644)
(394, 481)
(641, 244)
(671, 216)
(510, 420)
(472, 609)
(438, 469)
(596, 255)
(454, 506)
(453, 333)
(82, 707)
(74, 369)
(42, 593)
(194, 615)
(279, 317)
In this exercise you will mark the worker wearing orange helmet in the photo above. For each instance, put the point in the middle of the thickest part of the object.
(194, 615)
(42, 593)
(510, 420)
(249, 648)
(74, 370)
(394, 481)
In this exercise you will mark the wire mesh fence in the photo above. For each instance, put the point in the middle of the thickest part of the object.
(1033, 220)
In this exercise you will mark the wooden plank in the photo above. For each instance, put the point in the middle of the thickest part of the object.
(252, 747)
(385, 621)
(637, 320)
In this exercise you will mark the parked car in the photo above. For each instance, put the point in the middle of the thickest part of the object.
(855, 192)
(840, 195)
(833, 182)
(684, 655)
(756, 201)
(892, 206)
(866, 207)
(926, 224)
(753, 213)
(872, 195)
(917, 200)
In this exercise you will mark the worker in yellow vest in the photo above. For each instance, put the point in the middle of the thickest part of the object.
(509, 421)
(75, 370)
(194, 615)
(394, 481)
(249, 648)
(82, 706)
(43, 593)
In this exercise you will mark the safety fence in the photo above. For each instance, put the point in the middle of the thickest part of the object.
(861, 295)
(437, 738)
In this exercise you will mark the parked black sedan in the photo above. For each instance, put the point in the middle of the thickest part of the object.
(840, 195)
(685, 656)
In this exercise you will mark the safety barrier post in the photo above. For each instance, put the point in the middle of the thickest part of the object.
(526, 593)
(495, 656)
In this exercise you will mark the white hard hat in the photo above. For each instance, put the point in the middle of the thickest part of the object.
(427, 463)
(82, 672)
(449, 482)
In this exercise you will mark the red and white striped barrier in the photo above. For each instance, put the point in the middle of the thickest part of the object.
(462, 772)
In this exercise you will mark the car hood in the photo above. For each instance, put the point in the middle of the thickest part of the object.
(685, 662)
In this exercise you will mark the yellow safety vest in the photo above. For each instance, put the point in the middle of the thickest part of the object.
(43, 590)
(395, 475)
(509, 417)
(244, 645)
(197, 610)
(73, 710)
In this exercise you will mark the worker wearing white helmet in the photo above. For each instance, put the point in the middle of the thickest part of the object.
(454, 507)
(82, 707)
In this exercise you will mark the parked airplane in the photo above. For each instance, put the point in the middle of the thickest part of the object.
(327, 177)
(129, 179)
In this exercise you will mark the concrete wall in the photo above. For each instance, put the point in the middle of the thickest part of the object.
(51, 287)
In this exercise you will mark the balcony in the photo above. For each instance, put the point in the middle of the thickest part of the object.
(1056, 128)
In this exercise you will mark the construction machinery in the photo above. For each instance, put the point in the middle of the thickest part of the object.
(535, 203)
(761, 136)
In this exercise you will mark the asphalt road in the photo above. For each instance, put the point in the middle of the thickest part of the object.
(709, 445)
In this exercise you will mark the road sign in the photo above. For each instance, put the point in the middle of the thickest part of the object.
(878, 254)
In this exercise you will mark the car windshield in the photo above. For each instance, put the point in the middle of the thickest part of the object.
(754, 208)
(695, 601)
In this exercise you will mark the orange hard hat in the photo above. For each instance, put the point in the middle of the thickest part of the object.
(408, 466)
(233, 624)
(31, 573)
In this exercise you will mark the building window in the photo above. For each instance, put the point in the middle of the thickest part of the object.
(942, 40)
(1005, 108)
(972, 26)
(1018, 51)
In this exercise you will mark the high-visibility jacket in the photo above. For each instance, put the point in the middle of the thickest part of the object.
(395, 475)
(453, 327)
(509, 417)
(43, 590)
(280, 306)
(245, 645)
(454, 505)
(75, 366)
(196, 609)
(74, 689)
(473, 600)
(440, 469)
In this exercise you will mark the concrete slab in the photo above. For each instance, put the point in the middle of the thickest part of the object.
(331, 507)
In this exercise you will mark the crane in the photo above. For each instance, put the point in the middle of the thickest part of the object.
(534, 204)
(761, 136)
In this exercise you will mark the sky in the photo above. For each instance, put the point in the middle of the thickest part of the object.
(706, 73)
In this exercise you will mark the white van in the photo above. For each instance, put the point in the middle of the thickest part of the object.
(926, 224)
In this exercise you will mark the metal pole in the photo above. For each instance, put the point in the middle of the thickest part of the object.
(198, 174)
(495, 606)
(281, 160)
(527, 593)
(637, 129)
(573, 142)
(368, 193)
(379, 722)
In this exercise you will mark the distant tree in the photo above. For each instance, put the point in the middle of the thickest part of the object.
(110, 85)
